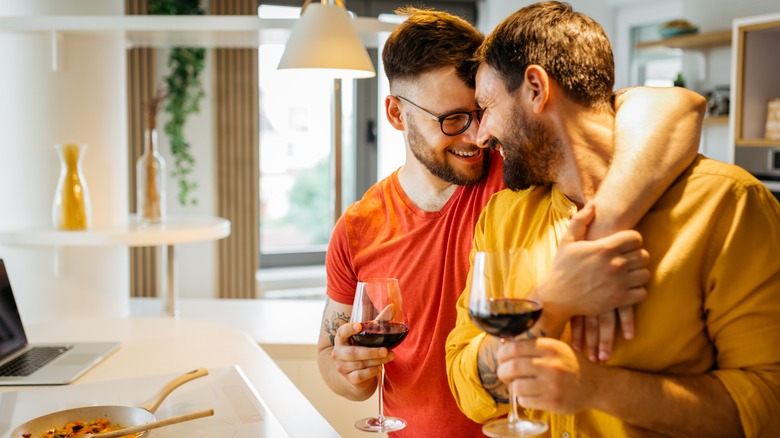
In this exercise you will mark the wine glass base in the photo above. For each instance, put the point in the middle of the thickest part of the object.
(374, 424)
(522, 427)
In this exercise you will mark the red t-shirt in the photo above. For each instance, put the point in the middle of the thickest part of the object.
(386, 235)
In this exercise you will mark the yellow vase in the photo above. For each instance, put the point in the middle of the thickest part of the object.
(71, 209)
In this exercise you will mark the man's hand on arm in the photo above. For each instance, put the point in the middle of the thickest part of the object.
(348, 370)
(592, 277)
(655, 129)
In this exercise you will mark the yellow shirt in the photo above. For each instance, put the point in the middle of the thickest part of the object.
(713, 303)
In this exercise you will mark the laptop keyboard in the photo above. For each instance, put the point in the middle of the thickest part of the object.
(31, 360)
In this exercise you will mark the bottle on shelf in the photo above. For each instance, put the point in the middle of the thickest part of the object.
(150, 178)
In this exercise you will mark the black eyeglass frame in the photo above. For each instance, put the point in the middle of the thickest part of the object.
(471, 115)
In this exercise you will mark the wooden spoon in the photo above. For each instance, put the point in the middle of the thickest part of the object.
(153, 425)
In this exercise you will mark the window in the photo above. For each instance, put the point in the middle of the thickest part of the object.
(296, 159)
(296, 177)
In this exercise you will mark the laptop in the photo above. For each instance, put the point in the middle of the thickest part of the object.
(22, 363)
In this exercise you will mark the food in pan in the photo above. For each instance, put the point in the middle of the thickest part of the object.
(79, 428)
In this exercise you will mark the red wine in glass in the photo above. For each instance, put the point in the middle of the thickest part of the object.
(381, 334)
(507, 317)
(377, 307)
(499, 304)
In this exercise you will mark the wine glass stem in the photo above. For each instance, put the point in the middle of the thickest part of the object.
(381, 384)
(513, 416)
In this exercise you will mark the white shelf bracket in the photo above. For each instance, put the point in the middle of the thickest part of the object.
(56, 42)
(59, 261)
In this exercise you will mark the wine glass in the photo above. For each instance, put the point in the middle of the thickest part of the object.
(377, 307)
(499, 305)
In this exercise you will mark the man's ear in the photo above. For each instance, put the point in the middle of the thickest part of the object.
(538, 83)
(393, 112)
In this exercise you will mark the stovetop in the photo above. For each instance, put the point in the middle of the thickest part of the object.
(238, 411)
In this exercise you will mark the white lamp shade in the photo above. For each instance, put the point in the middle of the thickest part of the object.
(325, 40)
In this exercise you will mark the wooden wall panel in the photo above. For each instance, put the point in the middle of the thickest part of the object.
(237, 158)
(140, 88)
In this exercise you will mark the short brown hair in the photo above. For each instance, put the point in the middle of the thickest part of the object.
(571, 47)
(429, 40)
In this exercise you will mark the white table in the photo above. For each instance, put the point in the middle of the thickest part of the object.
(155, 345)
(175, 230)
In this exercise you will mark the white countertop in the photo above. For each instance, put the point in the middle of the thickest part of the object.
(152, 346)
(267, 321)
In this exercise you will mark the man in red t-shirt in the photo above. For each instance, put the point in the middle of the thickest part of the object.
(417, 224)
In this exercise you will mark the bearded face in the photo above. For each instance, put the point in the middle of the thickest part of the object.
(435, 160)
(531, 155)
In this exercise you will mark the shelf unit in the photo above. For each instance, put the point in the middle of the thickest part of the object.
(247, 31)
(755, 78)
(716, 120)
(185, 31)
(699, 41)
(694, 42)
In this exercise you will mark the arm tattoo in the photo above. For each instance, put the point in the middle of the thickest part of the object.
(330, 326)
(487, 364)
(531, 335)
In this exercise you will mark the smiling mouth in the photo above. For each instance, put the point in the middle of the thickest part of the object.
(467, 154)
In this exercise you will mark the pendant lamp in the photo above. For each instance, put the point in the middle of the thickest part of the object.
(324, 40)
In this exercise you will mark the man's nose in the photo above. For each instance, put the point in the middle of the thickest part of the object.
(483, 136)
(470, 134)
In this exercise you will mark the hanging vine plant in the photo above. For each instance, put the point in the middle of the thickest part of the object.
(183, 94)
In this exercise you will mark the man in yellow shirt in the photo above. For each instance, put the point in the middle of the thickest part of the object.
(706, 357)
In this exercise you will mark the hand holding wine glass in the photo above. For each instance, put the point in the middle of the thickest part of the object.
(499, 304)
(378, 309)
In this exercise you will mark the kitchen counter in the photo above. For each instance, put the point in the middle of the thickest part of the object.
(269, 322)
(287, 329)
(152, 346)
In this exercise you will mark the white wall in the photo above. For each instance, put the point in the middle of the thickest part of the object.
(83, 101)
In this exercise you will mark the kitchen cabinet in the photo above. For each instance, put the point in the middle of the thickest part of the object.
(755, 78)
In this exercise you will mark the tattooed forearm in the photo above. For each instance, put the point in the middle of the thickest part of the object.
(331, 324)
(487, 364)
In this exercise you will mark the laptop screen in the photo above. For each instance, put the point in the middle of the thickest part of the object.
(12, 335)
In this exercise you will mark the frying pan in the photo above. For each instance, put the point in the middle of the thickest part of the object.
(124, 416)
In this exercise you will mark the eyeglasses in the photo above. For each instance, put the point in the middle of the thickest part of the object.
(452, 123)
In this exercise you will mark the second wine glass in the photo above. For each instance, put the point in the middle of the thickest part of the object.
(378, 309)
(499, 305)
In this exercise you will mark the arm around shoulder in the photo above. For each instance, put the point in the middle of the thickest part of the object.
(657, 134)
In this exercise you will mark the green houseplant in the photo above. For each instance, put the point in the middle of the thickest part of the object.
(183, 94)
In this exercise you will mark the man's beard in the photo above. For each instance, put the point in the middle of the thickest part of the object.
(531, 155)
(437, 165)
